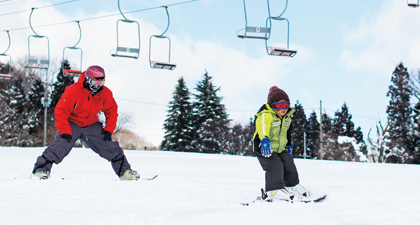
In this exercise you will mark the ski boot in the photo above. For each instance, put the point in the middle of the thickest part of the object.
(42, 175)
(130, 175)
(279, 194)
(298, 190)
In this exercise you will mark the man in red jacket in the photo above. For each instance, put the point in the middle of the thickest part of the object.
(76, 117)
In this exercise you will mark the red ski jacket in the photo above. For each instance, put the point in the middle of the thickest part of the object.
(79, 106)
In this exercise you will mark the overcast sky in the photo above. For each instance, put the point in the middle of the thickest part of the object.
(347, 51)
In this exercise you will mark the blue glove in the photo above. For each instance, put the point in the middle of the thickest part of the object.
(290, 148)
(266, 147)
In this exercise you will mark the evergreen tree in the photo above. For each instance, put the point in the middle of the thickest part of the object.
(299, 128)
(35, 97)
(342, 123)
(240, 139)
(20, 109)
(248, 134)
(399, 111)
(328, 141)
(312, 136)
(178, 124)
(344, 126)
(61, 84)
(210, 119)
(416, 133)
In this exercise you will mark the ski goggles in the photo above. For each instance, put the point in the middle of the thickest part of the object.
(96, 81)
(280, 105)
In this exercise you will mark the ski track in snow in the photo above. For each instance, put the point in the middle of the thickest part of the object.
(203, 189)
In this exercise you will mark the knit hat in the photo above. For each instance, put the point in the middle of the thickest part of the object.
(275, 94)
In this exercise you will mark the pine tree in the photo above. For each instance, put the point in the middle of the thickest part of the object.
(416, 118)
(312, 136)
(342, 123)
(35, 97)
(210, 119)
(178, 124)
(416, 133)
(344, 126)
(20, 110)
(328, 138)
(61, 84)
(248, 134)
(299, 128)
(399, 111)
(240, 139)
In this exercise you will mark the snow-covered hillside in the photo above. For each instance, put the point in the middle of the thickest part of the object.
(200, 189)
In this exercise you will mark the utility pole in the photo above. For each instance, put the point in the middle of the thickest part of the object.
(46, 101)
(320, 133)
(304, 145)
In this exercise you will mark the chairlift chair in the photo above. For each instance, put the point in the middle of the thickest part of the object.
(413, 4)
(256, 32)
(159, 64)
(128, 52)
(8, 75)
(37, 63)
(72, 72)
(280, 51)
(67, 72)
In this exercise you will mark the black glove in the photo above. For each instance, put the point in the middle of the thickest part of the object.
(66, 136)
(107, 135)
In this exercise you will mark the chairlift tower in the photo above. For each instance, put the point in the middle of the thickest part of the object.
(42, 64)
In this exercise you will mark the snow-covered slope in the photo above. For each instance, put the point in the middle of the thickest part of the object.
(199, 189)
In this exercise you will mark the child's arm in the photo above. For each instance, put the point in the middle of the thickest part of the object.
(263, 125)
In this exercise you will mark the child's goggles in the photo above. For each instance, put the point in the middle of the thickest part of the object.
(96, 81)
(280, 105)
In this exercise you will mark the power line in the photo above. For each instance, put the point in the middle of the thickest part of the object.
(11, 3)
(27, 10)
(98, 17)
(149, 103)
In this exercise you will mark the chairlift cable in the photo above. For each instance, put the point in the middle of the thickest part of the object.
(100, 17)
(11, 3)
(41, 7)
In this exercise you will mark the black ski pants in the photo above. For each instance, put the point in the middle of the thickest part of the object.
(280, 170)
(92, 136)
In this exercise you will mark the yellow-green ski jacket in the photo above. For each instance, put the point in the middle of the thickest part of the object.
(278, 128)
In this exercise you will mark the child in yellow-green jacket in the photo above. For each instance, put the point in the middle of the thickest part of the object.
(273, 146)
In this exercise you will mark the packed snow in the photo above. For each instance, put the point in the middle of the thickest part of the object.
(194, 188)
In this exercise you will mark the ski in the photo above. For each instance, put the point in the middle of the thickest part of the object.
(301, 200)
(312, 198)
(150, 178)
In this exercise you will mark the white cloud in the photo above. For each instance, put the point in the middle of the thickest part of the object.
(380, 42)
